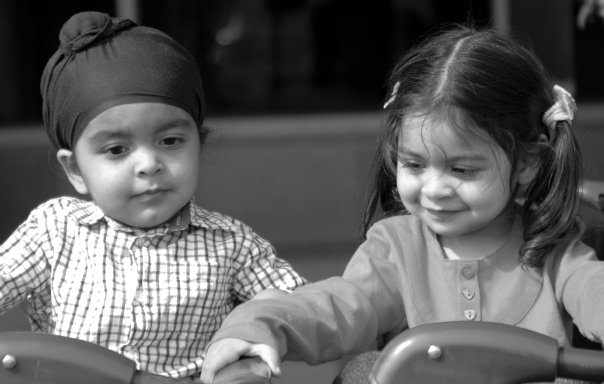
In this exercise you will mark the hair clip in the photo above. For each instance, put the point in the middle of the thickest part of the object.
(392, 94)
(563, 109)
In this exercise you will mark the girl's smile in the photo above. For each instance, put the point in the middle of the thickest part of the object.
(440, 214)
(458, 186)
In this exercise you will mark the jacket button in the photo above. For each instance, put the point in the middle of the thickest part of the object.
(467, 272)
(470, 314)
(468, 294)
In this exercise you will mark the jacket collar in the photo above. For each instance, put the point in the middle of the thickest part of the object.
(512, 289)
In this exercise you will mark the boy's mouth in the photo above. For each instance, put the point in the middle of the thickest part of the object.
(151, 192)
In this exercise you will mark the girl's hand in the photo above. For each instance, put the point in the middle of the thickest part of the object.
(226, 351)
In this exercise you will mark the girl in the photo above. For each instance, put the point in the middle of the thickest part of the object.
(477, 182)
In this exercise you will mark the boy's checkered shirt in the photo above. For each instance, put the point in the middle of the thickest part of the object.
(156, 296)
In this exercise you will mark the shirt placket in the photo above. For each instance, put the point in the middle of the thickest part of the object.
(469, 291)
(134, 291)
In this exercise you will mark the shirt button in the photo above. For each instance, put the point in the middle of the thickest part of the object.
(467, 272)
(468, 294)
(141, 296)
(142, 242)
(470, 314)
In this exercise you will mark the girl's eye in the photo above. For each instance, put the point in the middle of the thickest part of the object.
(465, 171)
(412, 165)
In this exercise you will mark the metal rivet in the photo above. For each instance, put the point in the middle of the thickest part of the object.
(434, 352)
(9, 361)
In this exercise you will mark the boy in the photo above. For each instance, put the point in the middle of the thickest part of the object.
(141, 269)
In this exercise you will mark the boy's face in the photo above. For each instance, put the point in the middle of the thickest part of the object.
(456, 186)
(139, 162)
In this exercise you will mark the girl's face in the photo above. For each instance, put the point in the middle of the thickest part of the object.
(139, 162)
(456, 186)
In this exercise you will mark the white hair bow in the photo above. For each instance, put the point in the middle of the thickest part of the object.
(563, 109)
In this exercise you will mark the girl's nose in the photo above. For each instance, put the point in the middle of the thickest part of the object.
(437, 185)
(148, 163)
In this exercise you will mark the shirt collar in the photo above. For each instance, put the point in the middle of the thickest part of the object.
(88, 213)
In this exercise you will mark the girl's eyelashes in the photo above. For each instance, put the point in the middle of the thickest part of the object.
(464, 171)
(410, 164)
(416, 166)
(468, 174)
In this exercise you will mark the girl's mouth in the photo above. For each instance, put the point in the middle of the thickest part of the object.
(440, 214)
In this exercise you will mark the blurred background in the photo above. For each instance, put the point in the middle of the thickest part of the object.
(294, 91)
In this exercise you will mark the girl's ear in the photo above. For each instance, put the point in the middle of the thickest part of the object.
(530, 164)
(70, 166)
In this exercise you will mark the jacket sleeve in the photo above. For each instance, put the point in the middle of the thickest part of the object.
(580, 285)
(326, 320)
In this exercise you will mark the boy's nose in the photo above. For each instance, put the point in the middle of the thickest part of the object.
(148, 163)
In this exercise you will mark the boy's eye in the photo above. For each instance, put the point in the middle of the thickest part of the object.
(116, 150)
(171, 140)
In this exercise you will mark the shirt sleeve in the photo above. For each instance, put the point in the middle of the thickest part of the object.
(261, 269)
(23, 266)
(329, 319)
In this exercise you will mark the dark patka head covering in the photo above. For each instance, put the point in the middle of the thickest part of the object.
(103, 62)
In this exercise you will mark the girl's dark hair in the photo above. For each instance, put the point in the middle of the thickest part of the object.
(484, 83)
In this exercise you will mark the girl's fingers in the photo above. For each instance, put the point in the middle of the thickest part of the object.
(269, 355)
(227, 351)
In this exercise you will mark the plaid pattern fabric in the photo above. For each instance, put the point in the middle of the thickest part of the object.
(156, 296)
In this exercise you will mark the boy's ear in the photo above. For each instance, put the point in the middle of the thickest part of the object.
(68, 162)
(530, 164)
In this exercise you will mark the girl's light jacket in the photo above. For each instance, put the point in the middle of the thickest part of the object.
(399, 278)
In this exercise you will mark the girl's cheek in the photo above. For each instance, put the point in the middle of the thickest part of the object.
(406, 188)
